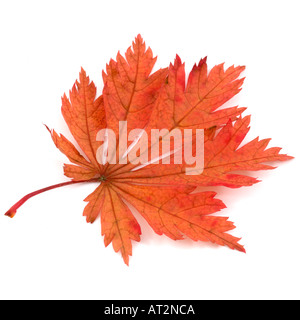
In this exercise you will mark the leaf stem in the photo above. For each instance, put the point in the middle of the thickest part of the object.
(13, 210)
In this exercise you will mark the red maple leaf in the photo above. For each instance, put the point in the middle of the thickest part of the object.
(162, 193)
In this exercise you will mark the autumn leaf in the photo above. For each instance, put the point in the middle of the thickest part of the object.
(164, 194)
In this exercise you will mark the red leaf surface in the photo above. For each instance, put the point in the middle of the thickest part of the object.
(163, 194)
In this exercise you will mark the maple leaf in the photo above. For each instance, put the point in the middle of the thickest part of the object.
(163, 194)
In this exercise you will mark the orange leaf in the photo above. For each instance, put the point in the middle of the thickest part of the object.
(85, 116)
(119, 226)
(195, 105)
(221, 158)
(129, 90)
(164, 194)
(175, 212)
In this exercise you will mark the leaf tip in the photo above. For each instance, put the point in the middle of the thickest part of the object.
(47, 127)
(287, 157)
(82, 71)
(126, 261)
(139, 38)
(242, 249)
(202, 63)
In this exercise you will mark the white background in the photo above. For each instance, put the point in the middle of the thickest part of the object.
(48, 251)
